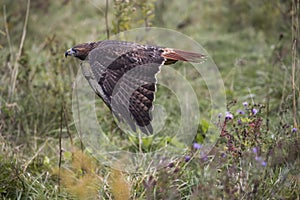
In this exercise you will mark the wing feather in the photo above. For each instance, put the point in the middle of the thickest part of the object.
(126, 73)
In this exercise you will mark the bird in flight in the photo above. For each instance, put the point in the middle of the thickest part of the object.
(125, 75)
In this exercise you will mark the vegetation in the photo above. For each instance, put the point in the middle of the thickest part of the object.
(255, 45)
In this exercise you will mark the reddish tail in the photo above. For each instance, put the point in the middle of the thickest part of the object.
(173, 55)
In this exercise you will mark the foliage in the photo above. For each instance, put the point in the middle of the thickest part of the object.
(132, 12)
(80, 178)
(120, 188)
(251, 42)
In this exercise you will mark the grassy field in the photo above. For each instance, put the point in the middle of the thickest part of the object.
(255, 46)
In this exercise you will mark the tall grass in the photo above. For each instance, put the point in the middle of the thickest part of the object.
(254, 44)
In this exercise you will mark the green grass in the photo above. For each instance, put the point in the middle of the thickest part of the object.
(38, 134)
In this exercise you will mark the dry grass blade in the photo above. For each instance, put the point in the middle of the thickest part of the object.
(18, 56)
(7, 31)
(34, 156)
(295, 37)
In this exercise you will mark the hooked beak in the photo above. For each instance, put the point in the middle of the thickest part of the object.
(70, 52)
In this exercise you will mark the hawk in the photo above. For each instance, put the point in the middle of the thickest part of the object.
(125, 76)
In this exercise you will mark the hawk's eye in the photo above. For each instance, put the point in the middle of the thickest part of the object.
(71, 52)
(74, 51)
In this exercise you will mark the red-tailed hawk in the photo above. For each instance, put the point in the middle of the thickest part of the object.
(125, 72)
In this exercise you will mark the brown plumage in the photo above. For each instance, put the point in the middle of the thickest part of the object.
(126, 74)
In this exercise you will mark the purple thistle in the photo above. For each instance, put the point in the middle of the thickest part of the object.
(171, 165)
(187, 158)
(228, 115)
(239, 122)
(257, 158)
(176, 169)
(219, 115)
(205, 158)
(262, 162)
(254, 111)
(245, 104)
(294, 130)
(223, 155)
(197, 146)
(241, 112)
(255, 150)
(202, 154)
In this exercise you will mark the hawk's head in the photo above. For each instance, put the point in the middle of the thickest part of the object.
(81, 51)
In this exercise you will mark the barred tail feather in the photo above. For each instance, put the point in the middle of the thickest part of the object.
(175, 55)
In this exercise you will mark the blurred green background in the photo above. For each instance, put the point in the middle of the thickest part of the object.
(250, 42)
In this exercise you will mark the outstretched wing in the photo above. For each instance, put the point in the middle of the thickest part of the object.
(126, 73)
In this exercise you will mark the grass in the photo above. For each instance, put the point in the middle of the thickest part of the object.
(256, 156)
